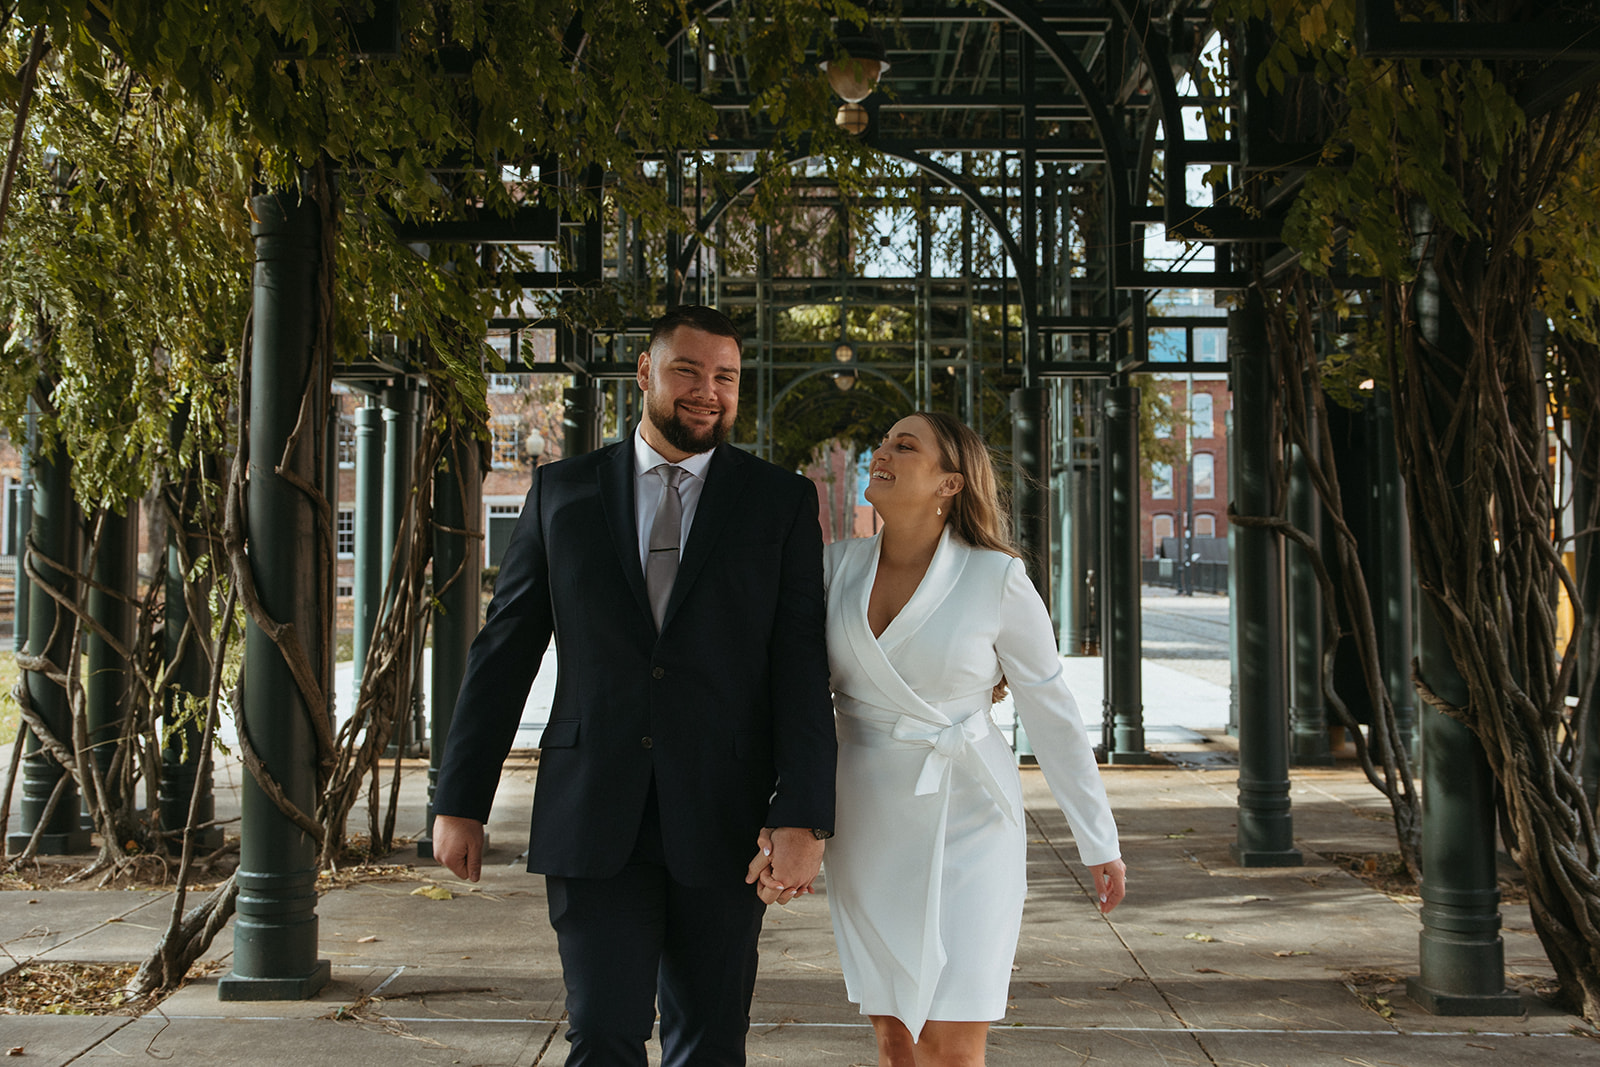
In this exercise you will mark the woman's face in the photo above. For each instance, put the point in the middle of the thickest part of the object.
(905, 471)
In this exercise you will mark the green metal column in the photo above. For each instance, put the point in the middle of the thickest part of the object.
(1459, 952)
(24, 527)
(400, 452)
(457, 547)
(370, 562)
(275, 931)
(1079, 623)
(181, 707)
(1389, 582)
(1266, 825)
(1308, 711)
(53, 534)
(585, 410)
(1460, 956)
(111, 603)
(1030, 457)
(1123, 644)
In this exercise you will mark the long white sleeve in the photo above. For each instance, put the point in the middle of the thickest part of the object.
(1027, 650)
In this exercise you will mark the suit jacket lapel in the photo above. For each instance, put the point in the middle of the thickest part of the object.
(617, 500)
(725, 479)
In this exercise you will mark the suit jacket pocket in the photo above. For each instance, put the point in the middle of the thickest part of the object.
(562, 733)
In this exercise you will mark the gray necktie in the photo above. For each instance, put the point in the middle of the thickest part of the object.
(661, 569)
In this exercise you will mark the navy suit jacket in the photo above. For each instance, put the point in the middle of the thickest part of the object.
(727, 707)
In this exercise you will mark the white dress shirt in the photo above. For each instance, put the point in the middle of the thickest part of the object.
(647, 491)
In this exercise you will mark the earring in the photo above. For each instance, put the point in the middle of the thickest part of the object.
(938, 511)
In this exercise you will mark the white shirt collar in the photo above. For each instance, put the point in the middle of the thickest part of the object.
(646, 459)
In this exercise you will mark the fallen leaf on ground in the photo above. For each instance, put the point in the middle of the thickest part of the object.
(433, 892)
(1292, 952)
(1195, 936)
(369, 939)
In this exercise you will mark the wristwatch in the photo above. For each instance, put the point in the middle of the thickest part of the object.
(821, 835)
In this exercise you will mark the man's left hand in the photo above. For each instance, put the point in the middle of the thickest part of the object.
(796, 856)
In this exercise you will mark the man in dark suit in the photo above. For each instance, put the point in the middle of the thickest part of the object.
(682, 579)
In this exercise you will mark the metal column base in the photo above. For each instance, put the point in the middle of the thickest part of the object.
(1435, 1002)
(233, 987)
(1136, 759)
(73, 842)
(1259, 858)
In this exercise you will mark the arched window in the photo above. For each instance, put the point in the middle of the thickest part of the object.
(1205, 526)
(1161, 481)
(1160, 527)
(1200, 415)
(1205, 479)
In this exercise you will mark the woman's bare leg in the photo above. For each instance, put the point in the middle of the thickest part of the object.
(951, 1044)
(895, 1048)
(942, 1043)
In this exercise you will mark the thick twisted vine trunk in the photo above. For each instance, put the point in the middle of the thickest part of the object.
(1472, 407)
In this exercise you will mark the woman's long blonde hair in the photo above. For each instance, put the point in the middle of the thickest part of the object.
(977, 513)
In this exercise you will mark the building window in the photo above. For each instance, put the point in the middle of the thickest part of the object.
(12, 535)
(1210, 344)
(347, 441)
(1205, 526)
(1160, 530)
(1205, 480)
(506, 441)
(1161, 481)
(1200, 415)
(344, 533)
(502, 521)
(345, 589)
(504, 383)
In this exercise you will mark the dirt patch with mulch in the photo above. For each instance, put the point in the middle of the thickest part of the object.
(65, 988)
(1386, 872)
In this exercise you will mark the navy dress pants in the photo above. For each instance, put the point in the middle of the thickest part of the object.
(640, 935)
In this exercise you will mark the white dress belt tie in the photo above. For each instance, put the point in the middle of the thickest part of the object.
(951, 745)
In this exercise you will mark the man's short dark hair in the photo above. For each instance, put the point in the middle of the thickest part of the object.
(706, 319)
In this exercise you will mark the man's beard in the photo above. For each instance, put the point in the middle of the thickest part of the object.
(680, 436)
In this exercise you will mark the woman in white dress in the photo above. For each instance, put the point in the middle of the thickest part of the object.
(926, 870)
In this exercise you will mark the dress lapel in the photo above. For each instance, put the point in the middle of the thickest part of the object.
(725, 481)
(617, 500)
(894, 692)
(948, 560)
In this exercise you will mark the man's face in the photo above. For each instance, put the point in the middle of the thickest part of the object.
(691, 392)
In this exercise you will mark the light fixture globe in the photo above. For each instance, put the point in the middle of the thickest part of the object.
(861, 62)
(854, 77)
(852, 119)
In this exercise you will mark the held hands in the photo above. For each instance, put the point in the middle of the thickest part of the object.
(458, 844)
(1110, 884)
(786, 863)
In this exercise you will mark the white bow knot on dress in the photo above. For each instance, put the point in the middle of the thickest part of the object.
(950, 744)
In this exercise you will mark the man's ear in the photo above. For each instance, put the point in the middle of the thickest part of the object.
(644, 370)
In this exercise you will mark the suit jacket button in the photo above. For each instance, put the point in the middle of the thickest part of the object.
(658, 672)
(646, 742)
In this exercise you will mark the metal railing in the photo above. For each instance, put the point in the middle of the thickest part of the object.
(1205, 576)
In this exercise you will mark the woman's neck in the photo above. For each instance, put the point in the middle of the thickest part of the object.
(904, 542)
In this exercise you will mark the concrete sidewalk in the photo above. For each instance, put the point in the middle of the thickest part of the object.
(1204, 964)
